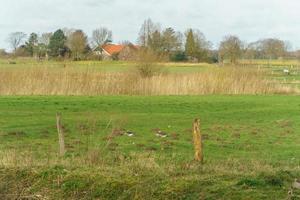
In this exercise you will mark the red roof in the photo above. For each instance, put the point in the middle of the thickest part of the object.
(112, 48)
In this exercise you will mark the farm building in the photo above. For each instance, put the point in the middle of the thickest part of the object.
(117, 52)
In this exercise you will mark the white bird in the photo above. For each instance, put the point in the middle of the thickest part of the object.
(161, 134)
(286, 71)
(129, 133)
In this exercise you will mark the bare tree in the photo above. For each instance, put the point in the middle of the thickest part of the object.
(101, 36)
(273, 48)
(15, 39)
(252, 50)
(68, 31)
(146, 31)
(45, 38)
(77, 43)
(231, 48)
(126, 42)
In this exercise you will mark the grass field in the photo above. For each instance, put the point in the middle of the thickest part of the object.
(251, 133)
(251, 147)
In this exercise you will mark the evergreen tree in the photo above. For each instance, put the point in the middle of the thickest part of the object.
(171, 41)
(57, 44)
(31, 44)
(190, 45)
(196, 46)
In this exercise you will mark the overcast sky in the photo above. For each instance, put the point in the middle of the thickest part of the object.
(249, 19)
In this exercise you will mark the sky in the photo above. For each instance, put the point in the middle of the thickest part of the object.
(250, 20)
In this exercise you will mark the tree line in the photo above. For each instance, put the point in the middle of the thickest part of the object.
(63, 43)
(173, 45)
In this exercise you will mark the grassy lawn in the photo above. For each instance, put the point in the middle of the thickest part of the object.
(251, 147)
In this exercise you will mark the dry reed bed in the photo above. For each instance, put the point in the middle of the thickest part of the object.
(69, 81)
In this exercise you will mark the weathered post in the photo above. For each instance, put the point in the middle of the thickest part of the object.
(60, 135)
(197, 141)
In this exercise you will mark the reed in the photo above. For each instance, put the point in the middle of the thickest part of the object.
(69, 81)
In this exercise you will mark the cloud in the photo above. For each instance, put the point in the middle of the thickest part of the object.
(249, 19)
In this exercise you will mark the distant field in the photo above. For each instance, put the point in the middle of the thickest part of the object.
(275, 67)
(31, 77)
(251, 147)
(105, 66)
(278, 62)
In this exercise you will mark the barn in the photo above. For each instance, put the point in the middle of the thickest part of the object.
(117, 52)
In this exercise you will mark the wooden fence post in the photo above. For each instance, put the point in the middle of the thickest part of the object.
(60, 135)
(197, 137)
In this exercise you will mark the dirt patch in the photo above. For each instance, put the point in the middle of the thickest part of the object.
(112, 146)
(16, 133)
(151, 148)
(141, 146)
(284, 123)
(175, 136)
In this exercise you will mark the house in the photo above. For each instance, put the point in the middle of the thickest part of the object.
(117, 52)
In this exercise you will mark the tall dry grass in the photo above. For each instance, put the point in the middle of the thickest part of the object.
(69, 81)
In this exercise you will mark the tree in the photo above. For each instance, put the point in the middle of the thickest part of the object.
(196, 46)
(231, 48)
(77, 43)
(273, 48)
(171, 41)
(203, 46)
(68, 31)
(269, 48)
(155, 42)
(31, 44)
(164, 42)
(45, 38)
(252, 50)
(16, 39)
(21, 51)
(43, 46)
(126, 42)
(57, 44)
(101, 36)
(146, 31)
(42, 51)
(3, 53)
(190, 44)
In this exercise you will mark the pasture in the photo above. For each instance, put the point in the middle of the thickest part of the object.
(251, 147)
(250, 122)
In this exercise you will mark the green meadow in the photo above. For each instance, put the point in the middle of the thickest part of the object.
(251, 147)
(112, 120)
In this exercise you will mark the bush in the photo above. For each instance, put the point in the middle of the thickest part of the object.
(12, 62)
(178, 57)
(147, 65)
(3, 53)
